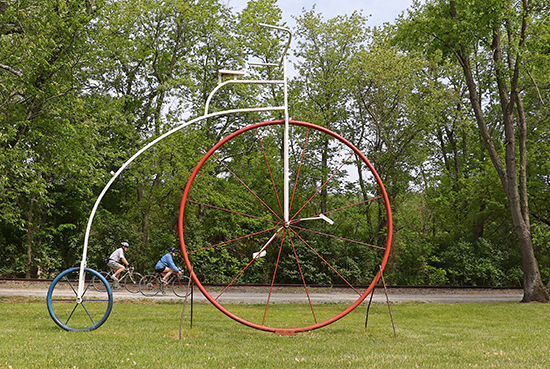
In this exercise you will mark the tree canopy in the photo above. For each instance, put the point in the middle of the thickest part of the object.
(449, 103)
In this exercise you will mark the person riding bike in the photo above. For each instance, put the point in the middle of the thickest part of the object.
(114, 261)
(165, 266)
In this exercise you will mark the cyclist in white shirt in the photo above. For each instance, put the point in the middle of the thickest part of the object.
(116, 257)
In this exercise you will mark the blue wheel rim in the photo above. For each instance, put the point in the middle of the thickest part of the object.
(94, 325)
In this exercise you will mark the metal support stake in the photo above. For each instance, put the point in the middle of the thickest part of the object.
(387, 301)
(189, 287)
(192, 295)
(368, 307)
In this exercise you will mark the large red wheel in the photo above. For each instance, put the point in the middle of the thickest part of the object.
(232, 228)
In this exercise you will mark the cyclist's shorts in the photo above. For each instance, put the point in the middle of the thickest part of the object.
(113, 264)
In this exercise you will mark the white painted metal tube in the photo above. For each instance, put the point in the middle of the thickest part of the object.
(81, 281)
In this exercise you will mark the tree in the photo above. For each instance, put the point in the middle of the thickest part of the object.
(46, 140)
(157, 60)
(495, 32)
(325, 51)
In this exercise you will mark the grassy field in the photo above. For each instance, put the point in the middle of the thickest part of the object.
(139, 335)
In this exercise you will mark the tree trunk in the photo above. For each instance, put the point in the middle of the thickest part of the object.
(364, 192)
(324, 176)
(533, 288)
(32, 229)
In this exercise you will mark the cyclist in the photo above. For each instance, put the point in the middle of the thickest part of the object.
(116, 257)
(166, 266)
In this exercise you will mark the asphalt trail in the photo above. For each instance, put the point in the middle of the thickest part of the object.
(293, 295)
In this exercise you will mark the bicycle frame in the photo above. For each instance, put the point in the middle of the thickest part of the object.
(284, 108)
(123, 275)
(162, 287)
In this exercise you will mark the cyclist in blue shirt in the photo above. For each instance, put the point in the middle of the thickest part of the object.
(165, 266)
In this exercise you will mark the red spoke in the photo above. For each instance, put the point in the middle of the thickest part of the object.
(303, 279)
(234, 279)
(232, 211)
(324, 184)
(246, 267)
(260, 202)
(340, 238)
(248, 188)
(349, 206)
(299, 169)
(326, 262)
(269, 169)
(233, 240)
(273, 279)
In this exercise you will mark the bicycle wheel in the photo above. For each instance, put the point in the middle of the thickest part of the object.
(150, 285)
(131, 282)
(338, 231)
(180, 286)
(98, 284)
(74, 314)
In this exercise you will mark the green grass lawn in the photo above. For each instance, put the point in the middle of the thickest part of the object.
(139, 335)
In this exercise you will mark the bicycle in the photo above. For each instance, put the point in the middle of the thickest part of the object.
(130, 279)
(151, 284)
(303, 196)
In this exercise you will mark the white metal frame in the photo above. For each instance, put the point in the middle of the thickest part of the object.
(221, 84)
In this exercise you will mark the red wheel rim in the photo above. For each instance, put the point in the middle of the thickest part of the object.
(318, 324)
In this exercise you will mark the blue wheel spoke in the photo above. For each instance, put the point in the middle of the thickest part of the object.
(89, 284)
(74, 318)
(72, 312)
(71, 285)
(89, 316)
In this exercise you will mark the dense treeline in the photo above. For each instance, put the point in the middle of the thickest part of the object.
(450, 104)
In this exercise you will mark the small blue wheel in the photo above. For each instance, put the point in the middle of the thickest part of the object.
(84, 314)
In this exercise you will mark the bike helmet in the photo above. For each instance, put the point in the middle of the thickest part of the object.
(125, 244)
(172, 249)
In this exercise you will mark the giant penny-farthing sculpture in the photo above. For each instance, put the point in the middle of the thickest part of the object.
(301, 202)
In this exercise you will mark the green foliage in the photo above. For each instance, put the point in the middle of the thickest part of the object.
(436, 28)
(409, 264)
(41, 48)
(478, 263)
(325, 52)
(84, 85)
(541, 236)
(108, 232)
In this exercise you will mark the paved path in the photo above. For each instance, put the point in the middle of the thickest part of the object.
(317, 295)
